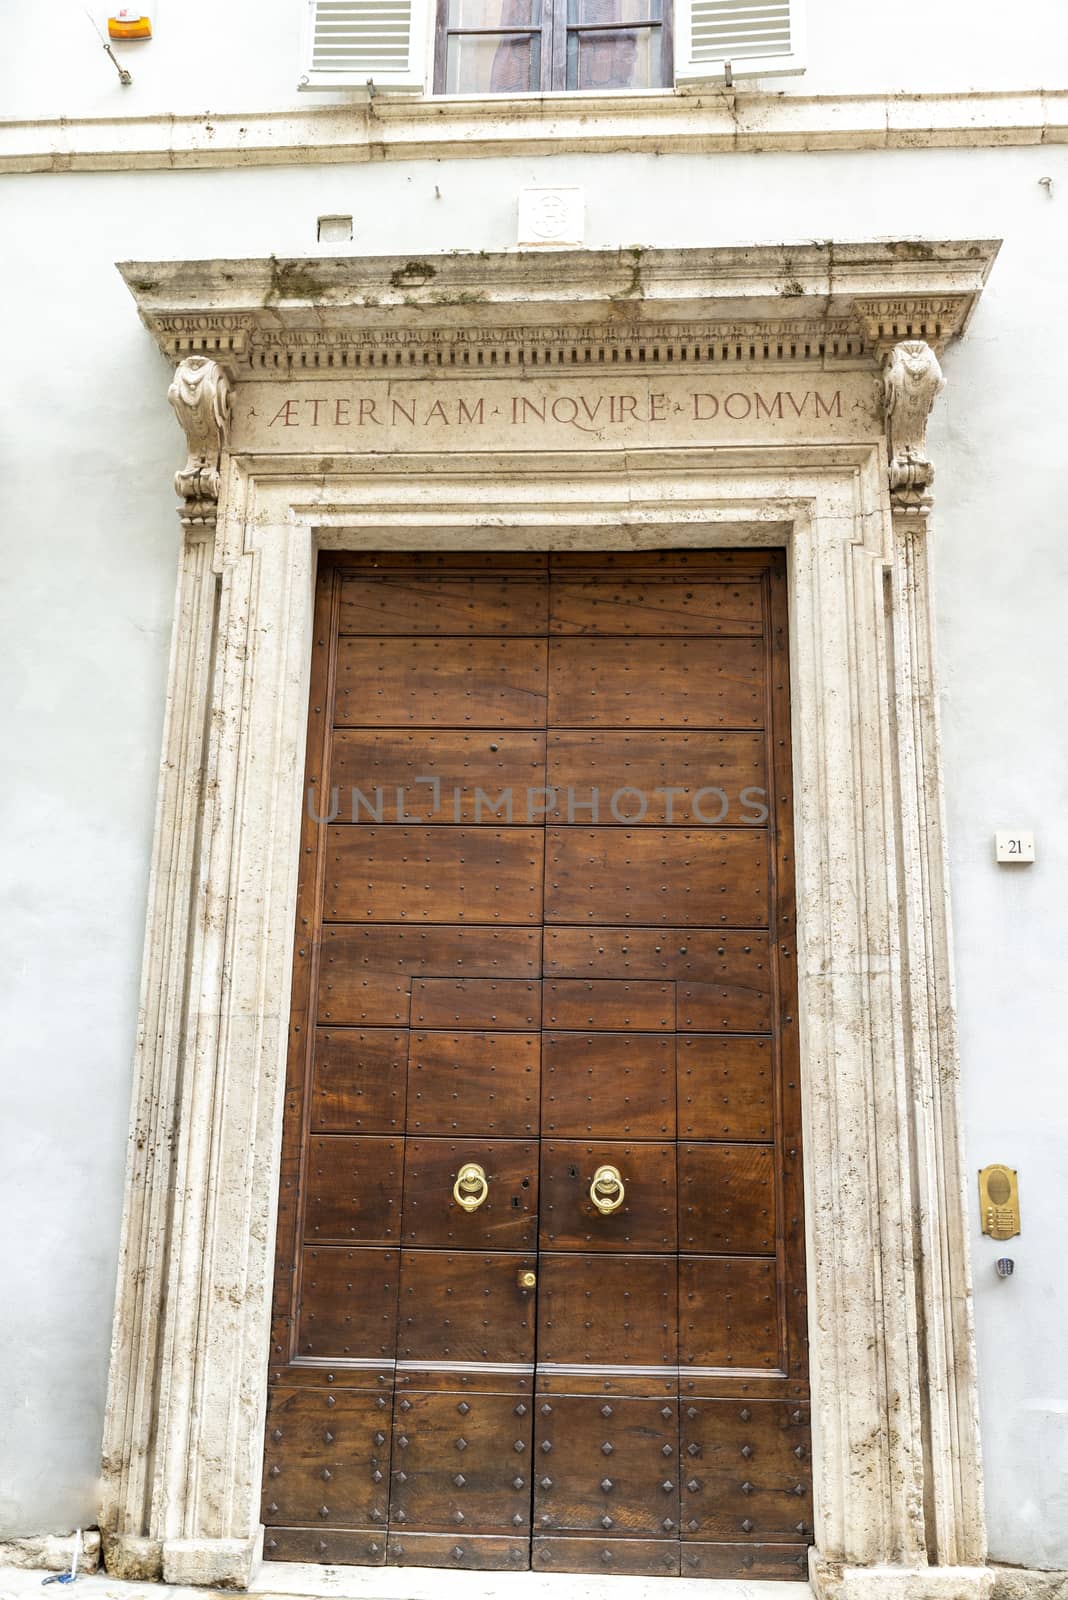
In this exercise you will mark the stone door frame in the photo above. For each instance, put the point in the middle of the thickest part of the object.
(897, 1477)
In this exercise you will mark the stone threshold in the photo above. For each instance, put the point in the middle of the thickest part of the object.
(279, 1580)
(411, 128)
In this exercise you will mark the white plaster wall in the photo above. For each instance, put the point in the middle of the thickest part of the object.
(245, 55)
(85, 607)
(91, 539)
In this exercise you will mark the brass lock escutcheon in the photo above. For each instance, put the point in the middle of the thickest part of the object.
(471, 1186)
(606, 1190)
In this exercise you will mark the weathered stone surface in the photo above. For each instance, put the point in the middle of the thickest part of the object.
(127, 1556)
(1029, 1583)
(209, 1563)
(410, 129)
(606, 410)
(52, 1552)
(834, 1581)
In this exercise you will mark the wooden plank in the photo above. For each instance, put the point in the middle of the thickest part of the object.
(348, 1302)
(647, 1219)
(717, 1383)
(358, 1080)
(726, 1087)
(326, 1452)
(444, 603)
(421, 563)
(353, 1189)
(630, 1321)
(792, 1288)
(449, 683)
(639, 1558)
(492, 1378)
(608, 1084)
(461, 1461)
(657, 779)
(475, 1003)
(659, 605)
(727, 1199)
(474, 1083)
(609, 1003)
(721, 974)
(438, 875)
(749, 1471)
(782, 1562)
(684, 954)
(465, 1306)
(609, 1467)
(345, 1372)
(729, 1314)
(506, 1220)
(484, 1552)
(656, 875)
(443, 776)
(366, 972)
(655, 683)
(349, 1547)
(669, 563)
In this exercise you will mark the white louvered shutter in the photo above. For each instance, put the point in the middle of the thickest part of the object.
(352, 42)
(758, 37)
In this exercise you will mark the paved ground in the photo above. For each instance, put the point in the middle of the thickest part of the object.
(276, 1580)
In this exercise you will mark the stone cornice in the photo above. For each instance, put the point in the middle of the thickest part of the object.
(436, 128)
(827, 304)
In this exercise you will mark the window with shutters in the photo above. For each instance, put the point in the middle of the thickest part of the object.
(517, 47)
(531, 46)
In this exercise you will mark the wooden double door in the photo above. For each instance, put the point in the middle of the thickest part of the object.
(540, 1289)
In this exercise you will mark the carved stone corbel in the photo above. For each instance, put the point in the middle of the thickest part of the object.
(200, 395)
(912, 378)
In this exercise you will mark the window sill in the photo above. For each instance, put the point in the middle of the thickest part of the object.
(662, 122)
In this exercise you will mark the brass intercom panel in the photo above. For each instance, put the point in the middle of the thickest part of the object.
(999, 1202)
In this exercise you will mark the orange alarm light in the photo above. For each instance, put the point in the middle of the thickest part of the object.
(129, 24)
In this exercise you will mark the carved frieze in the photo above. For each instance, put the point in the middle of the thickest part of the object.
(200, 395)
(281, 344)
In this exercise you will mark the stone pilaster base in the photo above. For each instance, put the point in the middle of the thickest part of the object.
(834, 1580)
(129, 1556)
(211, 1563)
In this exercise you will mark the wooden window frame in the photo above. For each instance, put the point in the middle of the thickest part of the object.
(553, 32)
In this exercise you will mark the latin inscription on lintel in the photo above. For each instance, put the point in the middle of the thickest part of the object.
(568, 412)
